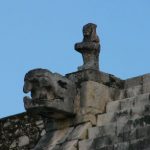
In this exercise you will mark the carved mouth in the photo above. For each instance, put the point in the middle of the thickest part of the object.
(27, 98)
(27, 102)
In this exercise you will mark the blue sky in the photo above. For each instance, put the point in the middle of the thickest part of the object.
(42, 34)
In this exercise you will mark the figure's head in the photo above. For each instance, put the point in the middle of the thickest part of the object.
(89, 32)
(88, 29)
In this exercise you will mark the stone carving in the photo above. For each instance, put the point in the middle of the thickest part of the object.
(89, 47)
(50, 90)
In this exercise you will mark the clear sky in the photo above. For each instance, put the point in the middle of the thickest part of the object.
(42, 34)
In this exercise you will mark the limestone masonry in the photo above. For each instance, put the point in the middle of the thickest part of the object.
(83, 110)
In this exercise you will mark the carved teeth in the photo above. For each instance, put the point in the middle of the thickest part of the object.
(27, 98)
(27, 102)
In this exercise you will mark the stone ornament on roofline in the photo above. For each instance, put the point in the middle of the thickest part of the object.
(89, 48)
(51, 93)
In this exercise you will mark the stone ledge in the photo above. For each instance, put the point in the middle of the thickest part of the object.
(97, 76)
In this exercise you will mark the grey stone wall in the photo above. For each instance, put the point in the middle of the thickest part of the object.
(111, 114)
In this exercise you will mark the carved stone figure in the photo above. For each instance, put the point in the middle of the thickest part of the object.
(89, 47)
(49, 90)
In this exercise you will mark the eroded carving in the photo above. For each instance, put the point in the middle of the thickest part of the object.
(48, 89)
(89, 48)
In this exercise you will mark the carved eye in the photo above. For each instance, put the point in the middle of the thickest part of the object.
(62, 84)
(35, 82)
(44, 81)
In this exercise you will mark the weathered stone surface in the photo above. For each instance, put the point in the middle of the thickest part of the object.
(124, 129)
(51, 124)
(20, 131)
(51, 147)
(80, 132)
(97, 76)
(80, 118)
(53, 138)
(71, 145)
(23, 140)
(13, 144)
(121, 146)
(97, 143)
(140, 144)
(125, 110)
(109, 129)
(138, 101)
(106, 118)
(94, 97)
(109, 147)
(146, 78)
(133, 81)
(133, 91)
(86, 144)
(146, 88)
(60, 136)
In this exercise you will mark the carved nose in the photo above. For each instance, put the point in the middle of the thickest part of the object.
(26, 87)
(25, 90)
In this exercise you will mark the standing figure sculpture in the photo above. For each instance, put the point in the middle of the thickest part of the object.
(89, 48)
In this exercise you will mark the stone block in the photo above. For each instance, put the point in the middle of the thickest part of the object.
(122, 119)
(43, 132)
(133, 128)
(109, 147)
(140, 144)
(130, 132)
(59, 124)
(60, 136)
(97, 76)
(51, 147)
(133, 91)
(94, 97)
(95, 132)
(143, 132)
(133, 81)
(52, 138)
(71, 145)
(124, 115)
(146, 78)
(122, 127)
(146, 88)
(121, 146)
(105, 119)
(13, 144)
(80, 118)
(86, 144)
(80, 132)
(137, 101)
(113, 106)
(104, 141)
(23, 140)
(141, 121)
(119, 94)
(100, 143)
